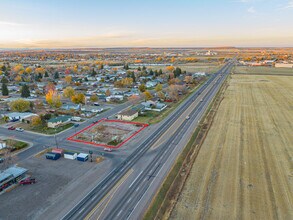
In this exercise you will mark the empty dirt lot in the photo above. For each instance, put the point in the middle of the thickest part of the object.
(245, 167)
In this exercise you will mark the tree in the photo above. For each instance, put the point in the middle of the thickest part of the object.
(68, 79)
(36, 120)
(108, 92)
(148, 95)
(172, 59)
(188, 79)
(5, 91)
(78, 98)
(68, 92)
(126, 67)
(56, 75)
(177, 72)
(159, 87)
(134, 99)
(53, 99)
(4, 80)
(40, 70)
(19, 105)
(46, 74)
(160, 72)
(28, 70)
(170, 68)
(94, 98)
(50, 86)
(142, 87)
(173, 92)
(25, 92)
(133, 76)
(161, 95)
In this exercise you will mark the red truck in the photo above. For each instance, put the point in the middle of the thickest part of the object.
(28, 180)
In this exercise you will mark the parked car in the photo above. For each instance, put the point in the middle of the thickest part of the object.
(11, 128)
(96, 104)
(28, 180)
(76, 125)
(14, 120)
(19, 129)
(107, 149)
(2, 159)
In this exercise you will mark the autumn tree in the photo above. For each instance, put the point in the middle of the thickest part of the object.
(142, 87)
(161, 95)
(134, 99)
(25, 92)
(78, 98)
(94, 98)
(108, 92)
(148, 95)
(159, 87)
(49, 86)
(53, 99)
(188, 79)
(170, 68)
(28, 70)
(173, 92)
(19, 105)
(36, 120)
(68, 79)
(68, 92)
(5, 91)
(40, 71)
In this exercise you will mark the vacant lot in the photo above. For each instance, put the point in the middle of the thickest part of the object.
(109, 133)
(245, 167)
(260, 70)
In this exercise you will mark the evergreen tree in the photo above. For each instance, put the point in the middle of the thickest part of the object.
(40, 76)
(160, 72)
(139, 69)
(56, 75)
(46, 74)
(126, 67)
(4, 80)
(25, 92)
(133, 76)
(5, 91)
(143, 68)
(151, 72)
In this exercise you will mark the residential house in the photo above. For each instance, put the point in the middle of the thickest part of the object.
(19, 115)
(58, 121)
(127, 115)
(70, 107)
(154, 106)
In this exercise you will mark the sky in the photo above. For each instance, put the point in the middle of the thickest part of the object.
(145, 23)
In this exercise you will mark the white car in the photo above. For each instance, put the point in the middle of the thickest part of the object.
(19, 129)
(187, 117)
(107, 149)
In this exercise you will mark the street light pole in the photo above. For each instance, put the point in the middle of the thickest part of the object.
(56, 141)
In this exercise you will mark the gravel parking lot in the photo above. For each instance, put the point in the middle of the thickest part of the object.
(57, 181)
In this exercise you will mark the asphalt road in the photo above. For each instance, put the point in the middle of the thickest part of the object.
(38, 141)
(126, 207)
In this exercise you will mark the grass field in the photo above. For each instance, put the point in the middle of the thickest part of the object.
(244, 169)
(261, 70)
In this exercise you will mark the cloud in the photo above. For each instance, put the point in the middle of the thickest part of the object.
(251, 10)
(6, 23)
(289, 5)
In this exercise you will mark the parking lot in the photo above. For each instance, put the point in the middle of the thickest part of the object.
(57, 183)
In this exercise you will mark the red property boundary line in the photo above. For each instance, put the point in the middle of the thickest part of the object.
(71, 138)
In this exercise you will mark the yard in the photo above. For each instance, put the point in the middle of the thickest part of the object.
(44, 129)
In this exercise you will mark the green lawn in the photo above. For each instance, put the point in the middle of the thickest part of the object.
(15, 144)
(262, 70)
(45, 130)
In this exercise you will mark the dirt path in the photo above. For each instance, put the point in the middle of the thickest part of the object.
(245, 167)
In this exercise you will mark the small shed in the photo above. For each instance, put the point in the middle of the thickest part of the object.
(82, 157)
(70, 155)
(52, 156)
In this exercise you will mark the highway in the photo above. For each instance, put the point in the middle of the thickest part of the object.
(126, 206)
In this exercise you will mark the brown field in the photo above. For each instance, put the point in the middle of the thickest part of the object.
(262, 70)
(245, 167)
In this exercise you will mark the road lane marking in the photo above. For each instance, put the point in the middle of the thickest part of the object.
(109, 196)
(119, 212)
(135, 179)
